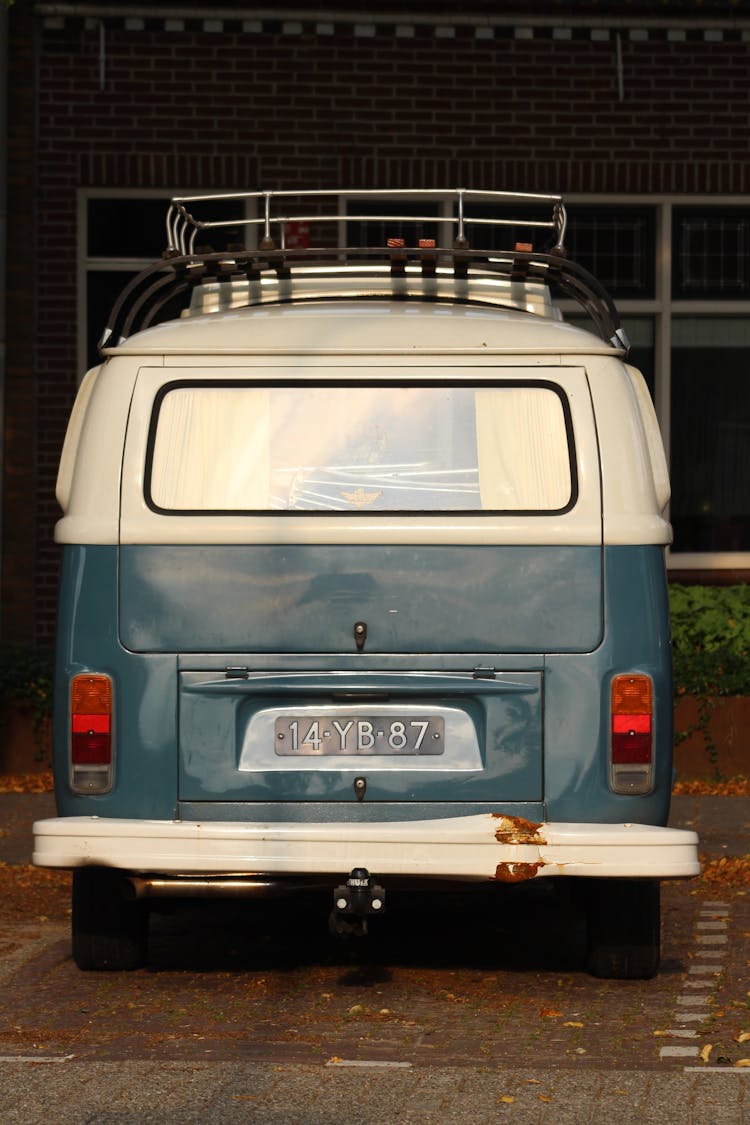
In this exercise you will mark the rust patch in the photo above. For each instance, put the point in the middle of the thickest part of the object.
(517, 830)
(517, 872)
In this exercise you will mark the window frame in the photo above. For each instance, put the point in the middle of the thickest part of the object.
(662, 308)
(473, 383)
(91, 263)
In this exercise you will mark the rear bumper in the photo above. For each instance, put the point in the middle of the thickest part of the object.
(481, 846)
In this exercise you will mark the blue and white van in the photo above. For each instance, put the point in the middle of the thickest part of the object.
(363, 584)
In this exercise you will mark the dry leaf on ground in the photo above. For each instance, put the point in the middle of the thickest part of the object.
(730, 870)
(738, 786)
(27, 782)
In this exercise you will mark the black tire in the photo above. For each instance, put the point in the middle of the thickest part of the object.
(110, 931)
(623, 921)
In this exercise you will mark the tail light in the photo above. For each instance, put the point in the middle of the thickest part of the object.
(632, 734)
(91, 758)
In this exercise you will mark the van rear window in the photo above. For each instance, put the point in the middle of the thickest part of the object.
(226, 447)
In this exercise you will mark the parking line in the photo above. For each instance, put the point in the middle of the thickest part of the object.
(738, 1070)
(367, 1063)
(35, 1058)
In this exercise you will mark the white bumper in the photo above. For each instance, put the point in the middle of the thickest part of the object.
(480, 846)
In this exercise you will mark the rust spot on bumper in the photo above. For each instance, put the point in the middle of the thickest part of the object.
(517, 830)
(517, 872)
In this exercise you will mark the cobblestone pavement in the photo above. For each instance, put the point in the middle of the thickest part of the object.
(137, 1093)
(459, 1009)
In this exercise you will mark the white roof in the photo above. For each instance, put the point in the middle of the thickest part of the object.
(364, 326)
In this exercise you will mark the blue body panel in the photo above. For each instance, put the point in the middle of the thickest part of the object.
(577, 689)
(496, 756)
(537, 611)
(306, 599)
(145, 694)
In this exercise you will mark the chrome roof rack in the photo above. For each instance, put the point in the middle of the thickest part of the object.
(183, 226)
(185, 265)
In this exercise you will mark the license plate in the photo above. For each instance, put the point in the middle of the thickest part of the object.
(358, 735)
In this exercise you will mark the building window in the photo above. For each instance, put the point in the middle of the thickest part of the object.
(123, 233)
(616, 245)
(710, 414)
(613, 243)
(385, 221)
(711, 249)
(681, 278)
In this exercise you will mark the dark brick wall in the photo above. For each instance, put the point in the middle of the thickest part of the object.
(234, 109)
(20, 494)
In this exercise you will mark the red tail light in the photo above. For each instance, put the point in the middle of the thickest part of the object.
(632, 742)
(91, 733)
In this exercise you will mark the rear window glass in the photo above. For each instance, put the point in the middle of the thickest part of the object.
(225, 447)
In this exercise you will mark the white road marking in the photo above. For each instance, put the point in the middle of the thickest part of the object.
(367, 1063)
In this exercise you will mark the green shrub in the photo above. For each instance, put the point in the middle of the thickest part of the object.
(26, 681)
(710, 647)
(710, 639)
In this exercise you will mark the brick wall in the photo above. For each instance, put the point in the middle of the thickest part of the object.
(19, 526)
(152, 107)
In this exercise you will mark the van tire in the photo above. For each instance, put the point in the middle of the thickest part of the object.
(623, 922)
(110, 931)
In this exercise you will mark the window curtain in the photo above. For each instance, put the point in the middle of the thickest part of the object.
(522, 449)
(212, 449)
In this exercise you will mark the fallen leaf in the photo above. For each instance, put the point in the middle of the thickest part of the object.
(26, 890)
(27, 782)
(573, 1023)
(732, 870)
(507, 1099)
(549, 1013)
(706, 1052)
(742, 1037)
(542, 1098)
(729, 787)
(742, 1062)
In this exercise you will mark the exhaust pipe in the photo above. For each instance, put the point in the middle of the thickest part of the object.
(196, 886)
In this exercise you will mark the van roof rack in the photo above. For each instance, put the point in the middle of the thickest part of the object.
(183, 227)
(285, 248)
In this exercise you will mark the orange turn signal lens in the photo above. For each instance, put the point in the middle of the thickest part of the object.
(91, 694)
(632, 695)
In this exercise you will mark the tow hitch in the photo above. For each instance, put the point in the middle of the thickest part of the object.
(353, 902)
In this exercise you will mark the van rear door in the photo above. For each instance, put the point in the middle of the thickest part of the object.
(360, 573)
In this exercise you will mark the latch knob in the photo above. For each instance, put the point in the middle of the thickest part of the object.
(360, 634)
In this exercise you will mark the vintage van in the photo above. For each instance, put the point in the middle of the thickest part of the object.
(363, 584)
